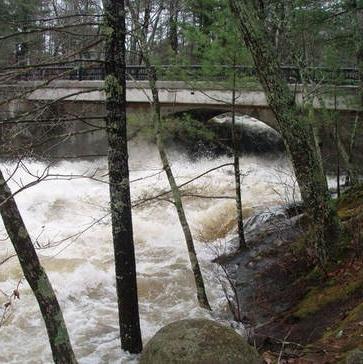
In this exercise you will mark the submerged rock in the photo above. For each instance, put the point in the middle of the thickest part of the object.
(198, 341)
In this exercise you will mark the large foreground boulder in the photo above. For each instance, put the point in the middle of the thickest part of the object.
(198, 342)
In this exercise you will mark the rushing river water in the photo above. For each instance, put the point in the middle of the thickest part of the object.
(81, 267)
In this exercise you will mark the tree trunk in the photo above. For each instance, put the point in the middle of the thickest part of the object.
(198, 278)
(125, 266)
(357, 8)
(336, 141)
(359, 15)
(173, 25)
(36, 276)
(295, 129)
(237, 172)
(352, 143)
(350, 168)
(145, 26)
(134, 55)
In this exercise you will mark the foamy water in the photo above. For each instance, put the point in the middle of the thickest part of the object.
(81, 268)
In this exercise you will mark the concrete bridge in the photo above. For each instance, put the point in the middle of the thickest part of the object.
(205, 98)
(78, 87)
(62, 97)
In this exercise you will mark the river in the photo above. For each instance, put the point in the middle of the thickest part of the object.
(64, 211)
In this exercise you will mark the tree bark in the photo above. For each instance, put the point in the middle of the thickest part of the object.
(145, 25)
(133, 57)
(198, 278)
(36, 276)
(351, 170)
(295, 129)
(237, 172)
(173, 25)
(115, 87)
(337, 138)
(357, 7)
(359, 16)
(352, 143)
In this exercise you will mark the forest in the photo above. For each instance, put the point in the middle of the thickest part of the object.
(181, 181)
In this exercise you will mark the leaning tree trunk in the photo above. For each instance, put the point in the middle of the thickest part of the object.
(198, 278)
(125, 266)
(36, 276)
(294, 128)
(237, 170)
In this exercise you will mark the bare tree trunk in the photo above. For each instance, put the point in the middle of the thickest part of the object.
(125, 266)
(198, 278)
(36, 276)
(295, 129)
(237, 172)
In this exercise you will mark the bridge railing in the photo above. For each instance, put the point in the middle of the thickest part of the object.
(194, 72)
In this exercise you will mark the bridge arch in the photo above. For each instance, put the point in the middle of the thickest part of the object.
(206, 113)
(254, 135)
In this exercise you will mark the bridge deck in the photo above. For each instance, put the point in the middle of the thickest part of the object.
(198, 94)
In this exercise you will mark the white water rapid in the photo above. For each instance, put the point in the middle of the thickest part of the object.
(81, 267)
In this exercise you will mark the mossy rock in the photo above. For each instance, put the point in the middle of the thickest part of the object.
(198, 341)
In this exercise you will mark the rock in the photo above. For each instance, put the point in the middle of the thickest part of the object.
(355, 357)
(198, 341)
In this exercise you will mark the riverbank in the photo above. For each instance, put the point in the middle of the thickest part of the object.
(296, 312)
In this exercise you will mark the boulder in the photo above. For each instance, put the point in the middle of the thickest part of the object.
(198, 341)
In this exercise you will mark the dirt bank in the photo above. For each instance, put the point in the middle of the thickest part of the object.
(297, 312)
